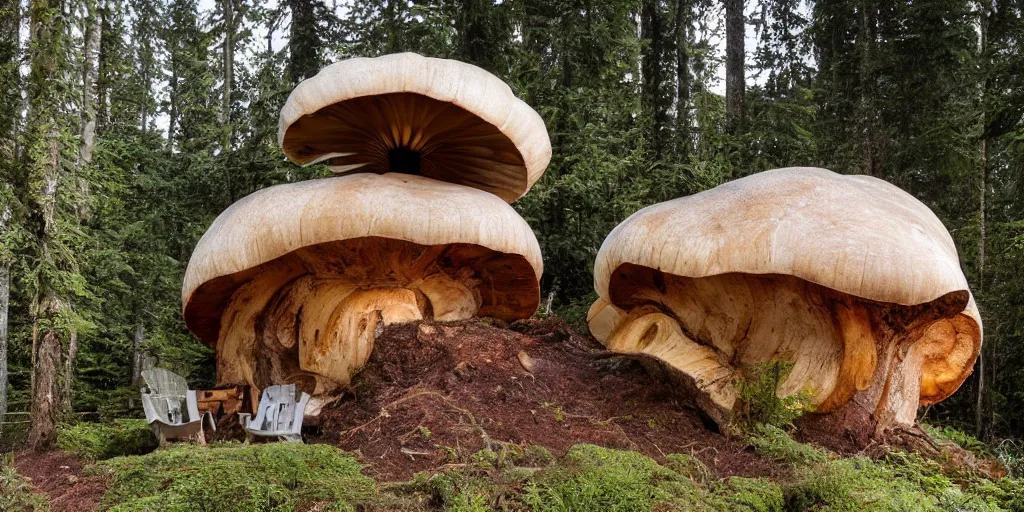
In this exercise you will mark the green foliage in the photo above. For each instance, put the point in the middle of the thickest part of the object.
(595, 478)
(960, 438)
(759, 400)
(237, 478)
(16, 495)
(774, 443)
(100, 441)
(753, 495)
(900, 483)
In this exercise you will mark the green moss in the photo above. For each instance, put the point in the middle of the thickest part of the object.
(774, 443)
(753, 495)
(99, 441)
(16, 495)
(237, 478)
(595, 478)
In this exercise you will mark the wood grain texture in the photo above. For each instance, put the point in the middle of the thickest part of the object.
(850, 278)
(464, 124)
(297, 220)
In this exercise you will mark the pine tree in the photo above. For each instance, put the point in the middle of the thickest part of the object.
(10, 89)
(46, 186)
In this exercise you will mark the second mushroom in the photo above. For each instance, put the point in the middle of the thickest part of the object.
(851, 279)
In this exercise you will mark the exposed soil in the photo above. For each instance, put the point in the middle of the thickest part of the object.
(435, 393)
(58, 475)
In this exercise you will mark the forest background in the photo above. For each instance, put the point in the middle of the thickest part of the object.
(127, 126)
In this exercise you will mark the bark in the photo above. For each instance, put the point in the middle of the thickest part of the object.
(44, 171)
(229, 73)
(735, 82)
(137, 355)
(5, 293)
(68, 381)
(42, 434)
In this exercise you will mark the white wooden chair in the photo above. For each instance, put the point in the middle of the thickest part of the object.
(279, 415)
(172, 409)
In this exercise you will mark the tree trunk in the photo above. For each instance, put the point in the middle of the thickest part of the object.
(42, 434)
(173, 114)
(137, 360)
(868, 30)
(5, 293)
(979, 407)
(229, 73)
(137, 354)
(682, 37)
(652, 71)
(68, 381)
(735, 83)
(44, 170)
(10, 41)
(304, 41)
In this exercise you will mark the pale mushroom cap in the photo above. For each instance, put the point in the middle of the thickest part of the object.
(280, 220)
(466, 123)
(854, 234)
(858, 235)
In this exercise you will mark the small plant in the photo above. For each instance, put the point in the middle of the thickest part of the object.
(450, 453)
(556, 411)
(424, 431)
(760, 403)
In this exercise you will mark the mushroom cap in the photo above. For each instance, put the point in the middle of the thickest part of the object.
(858, 235)
(262, 228)
(465, 124)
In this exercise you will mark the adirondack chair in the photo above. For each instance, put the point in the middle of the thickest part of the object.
(279, 415)
(172, 410)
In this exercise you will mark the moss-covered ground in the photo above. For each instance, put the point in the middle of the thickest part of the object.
(285, 476)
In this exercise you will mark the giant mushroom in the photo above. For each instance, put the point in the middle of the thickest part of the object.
(292, 283)
(852, 280)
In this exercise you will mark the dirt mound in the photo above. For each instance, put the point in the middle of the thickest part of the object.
(58, 475)
(436, 393)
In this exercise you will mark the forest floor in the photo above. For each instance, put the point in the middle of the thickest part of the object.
(433, 393)
(447, 399)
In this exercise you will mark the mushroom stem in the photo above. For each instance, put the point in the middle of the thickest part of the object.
(883, 359)
(320, 328)
(337, 341)
(646, 330)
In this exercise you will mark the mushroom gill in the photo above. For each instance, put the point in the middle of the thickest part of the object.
(439, 118)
